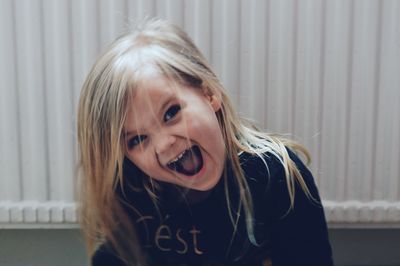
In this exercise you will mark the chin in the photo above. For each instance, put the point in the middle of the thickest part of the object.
(210, 185)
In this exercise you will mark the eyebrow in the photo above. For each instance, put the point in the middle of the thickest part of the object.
(164, 105)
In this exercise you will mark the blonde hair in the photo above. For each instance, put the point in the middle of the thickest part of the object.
(101, 116)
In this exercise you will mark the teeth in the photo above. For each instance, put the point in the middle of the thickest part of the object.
(177, 158)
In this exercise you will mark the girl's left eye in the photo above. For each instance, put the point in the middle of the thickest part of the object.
(171, 112)
(136, 141)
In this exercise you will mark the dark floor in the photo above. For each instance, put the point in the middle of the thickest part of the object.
(362, 247)
(38, 247)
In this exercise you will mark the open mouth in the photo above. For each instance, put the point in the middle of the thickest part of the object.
(189, 162)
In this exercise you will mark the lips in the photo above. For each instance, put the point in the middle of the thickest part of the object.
(189, 162)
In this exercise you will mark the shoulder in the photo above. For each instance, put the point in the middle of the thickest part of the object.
(269, 169)
(269, 185)
(105, 255)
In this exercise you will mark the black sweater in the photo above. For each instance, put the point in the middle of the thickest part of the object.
(201, 233)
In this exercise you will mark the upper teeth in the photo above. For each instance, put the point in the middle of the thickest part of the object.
(178, 157)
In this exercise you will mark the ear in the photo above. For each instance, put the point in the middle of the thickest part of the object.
(215, 102)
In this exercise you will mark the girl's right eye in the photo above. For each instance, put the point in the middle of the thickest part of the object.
(135, 141)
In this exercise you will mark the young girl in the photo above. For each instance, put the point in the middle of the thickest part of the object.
(171, 174)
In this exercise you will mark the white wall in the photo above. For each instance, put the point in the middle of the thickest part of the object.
(326, 72)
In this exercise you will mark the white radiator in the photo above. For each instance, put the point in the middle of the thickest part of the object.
(328, 72)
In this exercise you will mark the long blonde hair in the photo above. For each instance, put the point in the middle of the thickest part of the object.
(101, 116)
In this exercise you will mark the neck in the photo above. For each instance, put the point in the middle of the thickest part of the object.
(196, 196)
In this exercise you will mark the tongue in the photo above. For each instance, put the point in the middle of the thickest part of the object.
(190, 163)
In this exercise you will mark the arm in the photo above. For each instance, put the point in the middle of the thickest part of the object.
(299, 236)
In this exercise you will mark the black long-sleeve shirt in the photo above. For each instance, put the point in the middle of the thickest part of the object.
(202, 233)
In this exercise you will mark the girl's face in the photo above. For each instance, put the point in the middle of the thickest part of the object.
(172, 134)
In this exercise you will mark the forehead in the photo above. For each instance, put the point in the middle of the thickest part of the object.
(152, 91)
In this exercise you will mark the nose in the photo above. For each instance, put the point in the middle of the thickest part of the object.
(163, 142)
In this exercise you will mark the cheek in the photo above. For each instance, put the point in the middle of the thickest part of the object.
(204, 128)
(144, 162)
